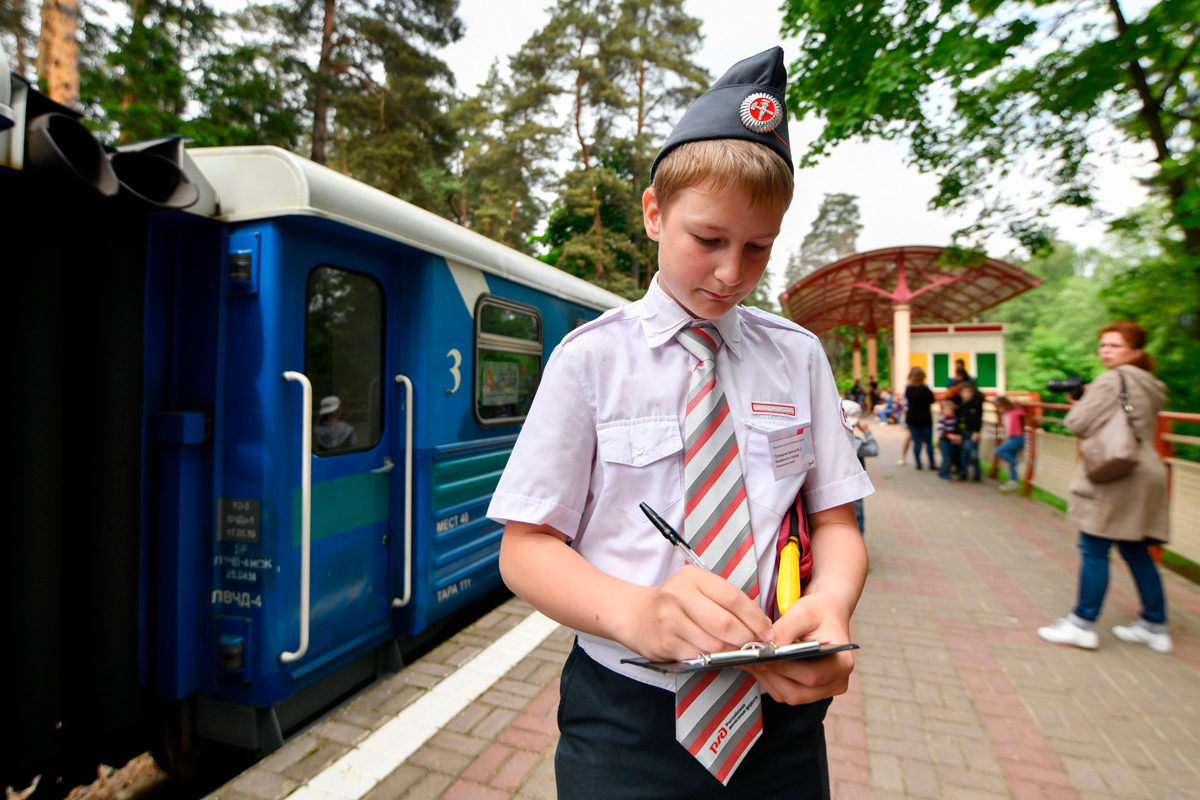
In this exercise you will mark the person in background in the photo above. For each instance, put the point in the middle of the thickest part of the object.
(960, 374)
(1130, 511)
(970, 423)
(887, 411)
(864, 447)
(1012, 418)
(918, 399)
(856, 393)
(948, 436)
(331, 431)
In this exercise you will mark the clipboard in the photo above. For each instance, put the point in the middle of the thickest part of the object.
(748, 654)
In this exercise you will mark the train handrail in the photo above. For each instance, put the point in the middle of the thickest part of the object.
(305, 514)
(403, 600)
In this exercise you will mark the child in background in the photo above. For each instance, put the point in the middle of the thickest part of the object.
(864, 446)
(1012, 417)
(687, 400)
(948, 436)
(970, 423)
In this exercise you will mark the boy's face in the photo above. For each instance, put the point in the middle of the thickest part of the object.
(712, 247)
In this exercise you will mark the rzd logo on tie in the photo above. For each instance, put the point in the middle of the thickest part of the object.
(721, 734)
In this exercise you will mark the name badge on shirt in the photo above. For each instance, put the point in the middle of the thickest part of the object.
(791, 450)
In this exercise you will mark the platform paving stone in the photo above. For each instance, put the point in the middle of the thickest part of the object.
(954, 696)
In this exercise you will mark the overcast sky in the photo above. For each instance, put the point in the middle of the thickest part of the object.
(892, 196)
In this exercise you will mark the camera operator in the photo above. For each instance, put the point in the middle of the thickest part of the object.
(1130, 511)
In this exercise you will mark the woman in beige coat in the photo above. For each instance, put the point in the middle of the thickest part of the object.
(1131, 511)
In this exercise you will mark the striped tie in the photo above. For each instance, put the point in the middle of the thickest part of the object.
(718, 713)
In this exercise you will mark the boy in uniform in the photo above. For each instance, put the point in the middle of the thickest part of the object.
(696, 406)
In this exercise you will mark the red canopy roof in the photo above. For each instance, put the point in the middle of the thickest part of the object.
(861, 289)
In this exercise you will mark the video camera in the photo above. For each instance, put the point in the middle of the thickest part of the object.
(1072, 386)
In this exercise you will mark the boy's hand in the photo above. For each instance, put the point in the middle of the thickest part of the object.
(806, 681)
(694, 612)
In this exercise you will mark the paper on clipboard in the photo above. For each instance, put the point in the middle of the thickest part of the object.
(740, 658)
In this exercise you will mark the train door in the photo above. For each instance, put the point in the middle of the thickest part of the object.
(350, 359)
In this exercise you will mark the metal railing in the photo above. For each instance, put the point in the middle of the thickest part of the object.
(1049, 461)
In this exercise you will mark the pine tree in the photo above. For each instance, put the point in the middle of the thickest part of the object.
(135, 78)
(15, 35)
(834, 235)
(355, 40)
(650, 50)
(505, 151)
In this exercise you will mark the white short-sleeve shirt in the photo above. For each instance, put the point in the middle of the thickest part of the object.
(605, 433)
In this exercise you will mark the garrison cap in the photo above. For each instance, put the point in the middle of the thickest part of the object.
(746, 103)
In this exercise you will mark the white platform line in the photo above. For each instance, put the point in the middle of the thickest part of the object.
(374, 758)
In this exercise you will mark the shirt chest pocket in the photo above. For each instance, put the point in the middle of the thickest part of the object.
(642, 462)
(762, 487)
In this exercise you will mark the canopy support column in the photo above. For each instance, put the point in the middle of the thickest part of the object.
(873, 356)
(902, 332)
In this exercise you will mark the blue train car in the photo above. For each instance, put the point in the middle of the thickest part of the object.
(371, 364)
(262, 411)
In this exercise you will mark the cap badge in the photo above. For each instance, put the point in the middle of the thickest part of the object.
(761, 112)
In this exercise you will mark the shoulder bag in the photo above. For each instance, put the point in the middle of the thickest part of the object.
(1112, 451)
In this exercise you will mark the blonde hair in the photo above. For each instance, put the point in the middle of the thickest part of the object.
(722, 164)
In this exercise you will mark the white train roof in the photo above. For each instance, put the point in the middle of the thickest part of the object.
(261, 182)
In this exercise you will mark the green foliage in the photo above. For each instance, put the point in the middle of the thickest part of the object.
(167, 72)
(760, 297)
(986, 87)
(247, 99)
(596, 86)
(1139, 274)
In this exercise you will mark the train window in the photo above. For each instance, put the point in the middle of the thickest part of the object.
(508, 359)
(343, 357)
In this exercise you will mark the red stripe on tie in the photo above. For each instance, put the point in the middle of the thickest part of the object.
(707, 434)
(736, 561)
(719, 525)
(701, 393)
(684, 703)
(711, 341)
(735, 755)
(703, 488)
(720, 716)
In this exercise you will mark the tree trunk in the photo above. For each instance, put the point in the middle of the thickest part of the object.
(636, 262)
(324, 76)
(587, 166)
(18, 32)
(58, 51)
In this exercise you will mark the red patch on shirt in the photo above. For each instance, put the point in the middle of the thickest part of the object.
(773, 408)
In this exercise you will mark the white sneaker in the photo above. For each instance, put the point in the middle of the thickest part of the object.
(1137, 631)
(1009, 486)
(1064, 631)
(900, 463)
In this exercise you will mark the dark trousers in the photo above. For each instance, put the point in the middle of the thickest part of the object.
(617, 742)
(1093, 577)
(922, 436)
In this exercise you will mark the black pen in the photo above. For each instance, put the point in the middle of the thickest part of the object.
(673, 536)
